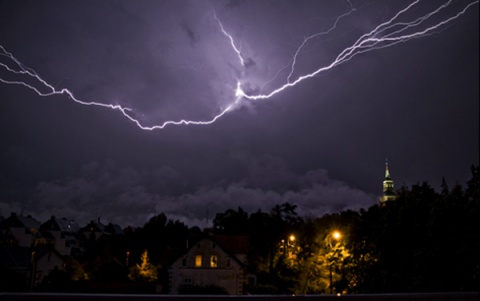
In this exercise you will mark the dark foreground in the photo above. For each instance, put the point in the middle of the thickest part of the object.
(471, 296)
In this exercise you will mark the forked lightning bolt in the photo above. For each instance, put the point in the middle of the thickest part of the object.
(371, 41)
(51, 90)
(316, 35)
(232, 41)
(386, 34)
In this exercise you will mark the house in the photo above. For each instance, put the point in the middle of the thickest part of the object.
(93, 230)
(22, 231)
(97, 229)
(218, 261)
(64, 234)
(27, 266)
(46, 260)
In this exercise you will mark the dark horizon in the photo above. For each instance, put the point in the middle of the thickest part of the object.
(206, 223)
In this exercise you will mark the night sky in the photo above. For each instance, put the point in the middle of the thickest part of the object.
(320, 144)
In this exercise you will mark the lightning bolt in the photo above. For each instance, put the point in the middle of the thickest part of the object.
(51, 90)
(230, 38)
(316, 35)
(368, 42)
(386, 34)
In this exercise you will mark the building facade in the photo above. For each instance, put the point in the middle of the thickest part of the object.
(210, 262)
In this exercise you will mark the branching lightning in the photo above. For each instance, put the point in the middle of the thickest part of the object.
(386, 34)
(371, 41)
(232, 41)
(316, 35)
(51, 90)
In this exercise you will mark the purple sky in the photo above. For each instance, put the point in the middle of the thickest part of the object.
(320, 144)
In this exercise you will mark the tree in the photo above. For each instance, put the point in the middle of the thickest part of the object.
(144, 271)
(231, 222)
(75, 270)
(422, 242)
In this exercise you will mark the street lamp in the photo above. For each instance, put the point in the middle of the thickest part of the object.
(291, 242)
(336, 235)
(287, 244)
(291, 238)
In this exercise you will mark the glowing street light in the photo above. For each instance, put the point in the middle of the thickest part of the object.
(335, 235)
(287, 244)
(291, 238)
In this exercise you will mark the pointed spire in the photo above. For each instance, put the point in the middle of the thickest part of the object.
(387, 172)
(388, 188)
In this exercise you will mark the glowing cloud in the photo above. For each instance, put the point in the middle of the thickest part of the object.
(389, 33)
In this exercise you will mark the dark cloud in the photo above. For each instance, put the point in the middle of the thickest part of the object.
(189, 32)
(109, 192)
(320, 144)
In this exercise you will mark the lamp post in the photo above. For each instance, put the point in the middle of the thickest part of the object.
(291, 241)
(286, 244)
(127, 258)
(336, 235)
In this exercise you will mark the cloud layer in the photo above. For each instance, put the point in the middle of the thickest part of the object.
(108, 191)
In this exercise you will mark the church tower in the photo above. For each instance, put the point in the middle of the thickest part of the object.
(388, 189)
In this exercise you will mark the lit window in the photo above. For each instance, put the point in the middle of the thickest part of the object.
(213, 261)
(198, 261)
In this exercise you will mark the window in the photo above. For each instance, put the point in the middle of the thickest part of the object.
(198, 261)
(188, 282)
(213, 261)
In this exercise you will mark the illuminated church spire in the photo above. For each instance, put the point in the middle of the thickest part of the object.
(388, 189)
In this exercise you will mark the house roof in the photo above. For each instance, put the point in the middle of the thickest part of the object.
(62, 224)
(66, 225)
(232, 245)
(113, 229)
(47, 250)
(94, 227)
(20, 221)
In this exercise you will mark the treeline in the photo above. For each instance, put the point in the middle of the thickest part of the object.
(425, 241)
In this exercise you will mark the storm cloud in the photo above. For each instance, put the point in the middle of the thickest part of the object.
(109, 191)
(320, 144)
